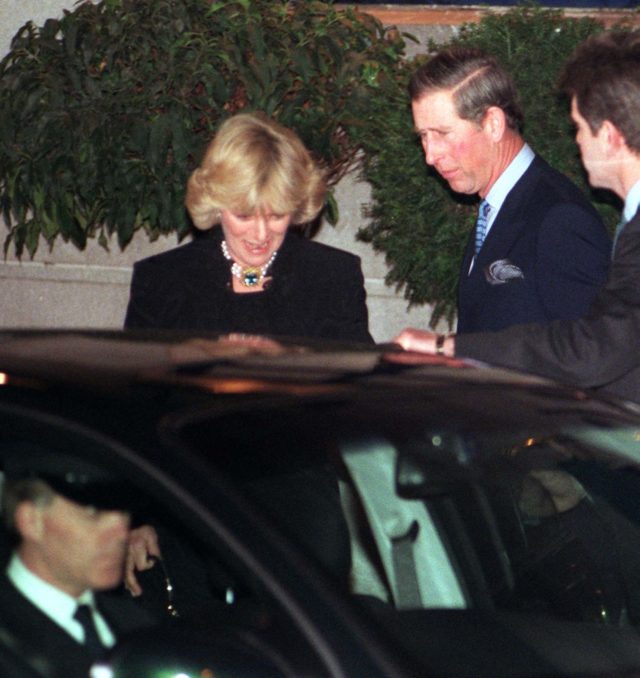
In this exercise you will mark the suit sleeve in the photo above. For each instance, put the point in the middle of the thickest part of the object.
(348, 317)
(142, 311)
(591, 351)
(572, 261)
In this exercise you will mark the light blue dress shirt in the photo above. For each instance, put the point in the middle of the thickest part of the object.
(506, 181)
(503, 185)
(631, 203)
(56, 604)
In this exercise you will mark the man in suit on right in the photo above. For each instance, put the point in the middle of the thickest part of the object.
(540, 251)
(602, 349)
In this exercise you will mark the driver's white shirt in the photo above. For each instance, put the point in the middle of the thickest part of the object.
(56, 604)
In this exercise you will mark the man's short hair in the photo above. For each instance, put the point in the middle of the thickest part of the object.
(477, 79)
(14, 492)
(603, 75)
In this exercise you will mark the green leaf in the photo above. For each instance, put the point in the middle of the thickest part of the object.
(332, 211)
(105, 112)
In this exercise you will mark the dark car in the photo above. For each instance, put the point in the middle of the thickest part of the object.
(333, 510)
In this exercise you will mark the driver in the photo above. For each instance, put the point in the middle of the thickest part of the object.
(70, 530)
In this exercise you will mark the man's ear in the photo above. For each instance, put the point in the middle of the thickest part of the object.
(494, 122)
(613, 136)
(29, 521)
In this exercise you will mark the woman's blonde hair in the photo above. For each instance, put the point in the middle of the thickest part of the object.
(254, 164)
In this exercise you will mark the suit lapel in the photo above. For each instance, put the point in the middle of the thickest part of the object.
(39, 635)
(122, 614)
(510, 221)
(468, 255)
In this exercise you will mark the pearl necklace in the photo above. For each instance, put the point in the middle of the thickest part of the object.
(251, 276)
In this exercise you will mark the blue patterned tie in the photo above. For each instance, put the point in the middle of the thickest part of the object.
(481, 224)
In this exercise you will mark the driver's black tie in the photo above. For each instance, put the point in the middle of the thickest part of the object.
(91, 638)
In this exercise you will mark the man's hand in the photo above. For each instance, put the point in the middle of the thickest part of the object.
(143, 551)
(417, 340)
(421, 341)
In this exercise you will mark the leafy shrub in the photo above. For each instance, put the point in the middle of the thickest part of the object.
(104, 112)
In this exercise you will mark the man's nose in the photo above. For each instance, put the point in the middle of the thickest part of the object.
(118, 521)
(429, 157)
(431, 152)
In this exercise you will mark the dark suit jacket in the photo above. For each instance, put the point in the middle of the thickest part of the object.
(316, 291)
(38, 638)
(552, 233)
(600, 350)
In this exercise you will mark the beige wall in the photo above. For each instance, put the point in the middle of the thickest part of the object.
(69, 288)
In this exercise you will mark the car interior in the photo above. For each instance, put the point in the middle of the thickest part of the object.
(479, 553)
(477, 540)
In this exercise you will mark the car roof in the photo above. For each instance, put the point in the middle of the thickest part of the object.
(248, 365)
(124, 384)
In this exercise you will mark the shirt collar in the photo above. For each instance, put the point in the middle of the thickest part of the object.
(52, 601)
(59, 606)
(509, 178)
(632, 202)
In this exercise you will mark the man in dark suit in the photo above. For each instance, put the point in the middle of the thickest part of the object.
(601, 349)
(71, 535)
(540, 251)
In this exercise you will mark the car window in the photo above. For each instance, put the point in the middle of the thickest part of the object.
(291, 525)
(555, 528)
(536, 519)
(209, 609)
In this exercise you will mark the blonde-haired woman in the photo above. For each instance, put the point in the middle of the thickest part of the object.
(252, 274)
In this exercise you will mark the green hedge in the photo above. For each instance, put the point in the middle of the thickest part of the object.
(104, 113)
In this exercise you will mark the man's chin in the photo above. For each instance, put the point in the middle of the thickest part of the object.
(458, 185)
(107, 583)
(108, 577)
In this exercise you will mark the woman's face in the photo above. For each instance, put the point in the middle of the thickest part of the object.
(253, 238)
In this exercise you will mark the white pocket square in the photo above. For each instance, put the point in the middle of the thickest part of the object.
(501, 271)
